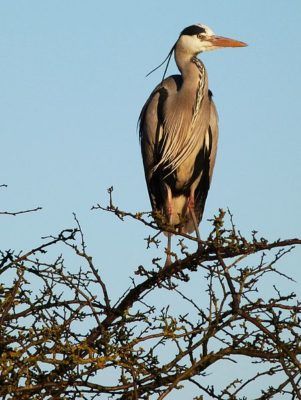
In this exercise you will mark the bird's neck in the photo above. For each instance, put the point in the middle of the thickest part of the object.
(191, 68)
(195, 83)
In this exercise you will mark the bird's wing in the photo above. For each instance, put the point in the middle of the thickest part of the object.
(208, 160)
(151, 122)
(186, 121)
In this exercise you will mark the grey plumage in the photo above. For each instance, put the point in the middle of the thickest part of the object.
(179, 132)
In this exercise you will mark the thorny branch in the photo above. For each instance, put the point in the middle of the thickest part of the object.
(14, 213)
(61, 337)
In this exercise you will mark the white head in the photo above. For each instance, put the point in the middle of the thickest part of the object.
(198, 38)
(195, 39)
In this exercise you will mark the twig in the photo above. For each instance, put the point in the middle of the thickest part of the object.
(14, 213)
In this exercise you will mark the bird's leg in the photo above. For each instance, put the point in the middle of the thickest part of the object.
(169, 212)
(168, 249)
(190, 206)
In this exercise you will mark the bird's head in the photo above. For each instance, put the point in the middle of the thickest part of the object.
(195, 39)
(198, 38)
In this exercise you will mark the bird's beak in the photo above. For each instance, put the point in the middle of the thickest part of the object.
(220, 41)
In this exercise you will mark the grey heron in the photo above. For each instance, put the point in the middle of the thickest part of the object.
(178, 128)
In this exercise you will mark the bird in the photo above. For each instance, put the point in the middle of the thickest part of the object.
(178, 130)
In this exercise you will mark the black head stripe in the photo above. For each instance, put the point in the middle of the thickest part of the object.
(192, 30)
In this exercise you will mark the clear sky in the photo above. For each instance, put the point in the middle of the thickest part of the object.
(72, 79)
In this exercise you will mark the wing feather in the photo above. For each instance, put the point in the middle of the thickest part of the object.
(208, 160)
(151, 122)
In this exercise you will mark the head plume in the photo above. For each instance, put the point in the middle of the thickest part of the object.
(163, 62)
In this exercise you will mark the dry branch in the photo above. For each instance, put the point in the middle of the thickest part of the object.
(61, 338)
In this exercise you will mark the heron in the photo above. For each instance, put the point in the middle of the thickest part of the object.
(178, 129)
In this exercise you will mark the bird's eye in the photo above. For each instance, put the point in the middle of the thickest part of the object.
(201, 35)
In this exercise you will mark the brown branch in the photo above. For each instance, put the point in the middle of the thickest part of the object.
(235, 296)
(35, 308)
(90, 263)
(14, 213)
(49, 385)
(138, 217)
(247, 328)
(272, 336)
(178, 266)
(70, 235)
(7, 304)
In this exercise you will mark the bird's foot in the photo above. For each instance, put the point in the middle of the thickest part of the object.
(200, 248)
(167, 261)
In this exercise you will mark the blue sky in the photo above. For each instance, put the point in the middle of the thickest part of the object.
(72, 78)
